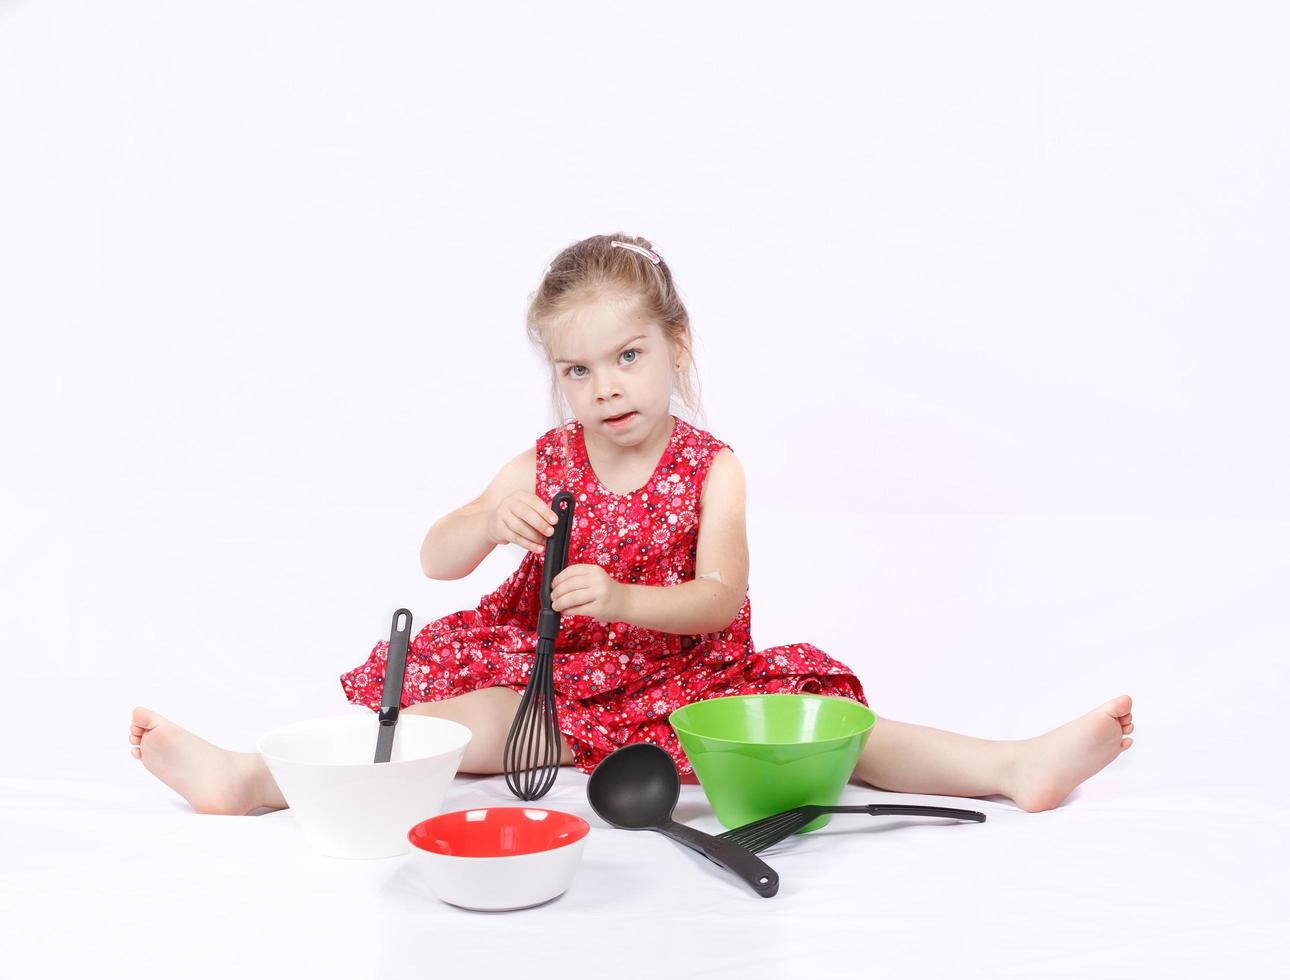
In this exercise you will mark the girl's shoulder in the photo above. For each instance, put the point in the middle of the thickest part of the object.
(717, 471)
(553, 457)
(705, 446)
(565, 429)
(556, 445)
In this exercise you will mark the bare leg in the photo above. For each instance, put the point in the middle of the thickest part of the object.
(908, 758)
(215, 780)
(1038, 773)
(488, 714)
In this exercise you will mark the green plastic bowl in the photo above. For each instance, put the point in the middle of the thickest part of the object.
(760, 754)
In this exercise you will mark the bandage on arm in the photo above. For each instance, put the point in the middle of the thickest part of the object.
(715, 576)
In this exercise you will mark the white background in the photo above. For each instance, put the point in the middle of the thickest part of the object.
(989, 301)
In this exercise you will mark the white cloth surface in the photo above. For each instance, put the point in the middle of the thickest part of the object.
(1170, 862)
(108, 877)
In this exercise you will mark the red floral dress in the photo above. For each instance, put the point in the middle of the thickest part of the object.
(615, 684)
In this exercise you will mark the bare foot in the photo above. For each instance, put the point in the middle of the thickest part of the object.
(1049, 767)
(211, 779)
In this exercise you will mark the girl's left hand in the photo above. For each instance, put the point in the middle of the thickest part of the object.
(588, 590)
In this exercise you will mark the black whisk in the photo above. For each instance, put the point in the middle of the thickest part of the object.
(763, 833)
(531, 757)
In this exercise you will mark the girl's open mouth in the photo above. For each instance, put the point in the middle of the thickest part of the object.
(620, 420)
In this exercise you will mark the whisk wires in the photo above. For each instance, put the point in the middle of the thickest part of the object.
(533, 745)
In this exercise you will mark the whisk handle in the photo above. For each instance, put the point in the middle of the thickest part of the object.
(548, 624)
(557, 547)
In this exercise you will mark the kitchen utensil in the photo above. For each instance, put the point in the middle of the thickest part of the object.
(761, 834)
(531, 756)
(346, 805)
(396, 659)
(636, 788)
(498, 858)
(760, 754)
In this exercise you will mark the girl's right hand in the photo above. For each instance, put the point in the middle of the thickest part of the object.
(524, 519)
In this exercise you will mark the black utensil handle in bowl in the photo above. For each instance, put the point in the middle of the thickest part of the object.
(553, 562)
(731, 856)
(396, 660)
(906, 810)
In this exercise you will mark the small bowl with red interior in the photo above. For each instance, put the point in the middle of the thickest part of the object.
(500, 858)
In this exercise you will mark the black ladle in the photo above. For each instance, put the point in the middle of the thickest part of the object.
(636, 788)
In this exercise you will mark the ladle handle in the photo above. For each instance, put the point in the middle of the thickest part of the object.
(731, 856)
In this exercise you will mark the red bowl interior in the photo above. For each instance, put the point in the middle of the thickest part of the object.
(500, 831)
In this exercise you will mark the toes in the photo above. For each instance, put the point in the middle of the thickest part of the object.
(144, 719)
(1125, 743)
(1119, 707)
(1128, 728)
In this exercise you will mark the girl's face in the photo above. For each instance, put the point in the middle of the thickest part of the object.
(610, 360)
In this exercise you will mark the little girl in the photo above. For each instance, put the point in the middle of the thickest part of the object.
(653, 599)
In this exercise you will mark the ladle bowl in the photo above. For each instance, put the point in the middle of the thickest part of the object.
(637, 788)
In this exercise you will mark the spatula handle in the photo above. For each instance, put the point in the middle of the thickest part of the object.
(906, 810)
(734, 858)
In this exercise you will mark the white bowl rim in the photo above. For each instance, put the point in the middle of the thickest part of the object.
(393, 763)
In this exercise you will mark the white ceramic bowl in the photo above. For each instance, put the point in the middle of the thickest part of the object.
(349, 806)
(499, 858)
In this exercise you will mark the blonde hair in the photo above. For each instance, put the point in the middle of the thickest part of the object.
(592, 268)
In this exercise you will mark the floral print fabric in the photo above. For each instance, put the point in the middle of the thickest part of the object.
(615, 684)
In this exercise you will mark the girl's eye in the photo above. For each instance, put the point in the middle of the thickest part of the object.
(572, 370)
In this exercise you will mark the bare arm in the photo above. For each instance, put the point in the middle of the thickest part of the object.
(459, 541)
(701, 606)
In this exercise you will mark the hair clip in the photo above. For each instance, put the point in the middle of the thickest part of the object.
(636, 248)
